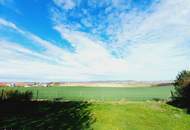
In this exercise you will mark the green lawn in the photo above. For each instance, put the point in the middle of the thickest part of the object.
(139, 116)
(99, 93)
(78, 115)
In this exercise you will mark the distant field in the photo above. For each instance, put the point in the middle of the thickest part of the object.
(79, 93)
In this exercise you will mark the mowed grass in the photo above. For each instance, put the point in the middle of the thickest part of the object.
(78, 115)
(139, 116)
(99, 93)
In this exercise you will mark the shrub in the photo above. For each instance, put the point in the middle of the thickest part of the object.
(15, 95)
(181, 93)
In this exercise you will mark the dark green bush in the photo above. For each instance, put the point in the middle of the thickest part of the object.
(15, 95)
(181, 93)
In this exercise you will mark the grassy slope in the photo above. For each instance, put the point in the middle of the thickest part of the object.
(97, 93)
(139, 116)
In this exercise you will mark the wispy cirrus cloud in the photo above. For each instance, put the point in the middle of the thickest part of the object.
(153, 41)
(65, 4)
(146, 41)
(57, 64)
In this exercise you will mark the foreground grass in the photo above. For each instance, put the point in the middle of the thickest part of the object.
(99, 93)
(92, 115)
(139, 116)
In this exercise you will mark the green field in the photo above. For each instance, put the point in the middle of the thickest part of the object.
(99, 93)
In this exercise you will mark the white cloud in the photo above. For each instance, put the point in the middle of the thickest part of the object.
(151, 45)
(156, 45)
(92, 55)
(89, 60)
(65, 4)
(49, 47)
(3, 22)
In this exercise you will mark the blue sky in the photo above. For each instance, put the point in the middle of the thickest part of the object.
(86, 40)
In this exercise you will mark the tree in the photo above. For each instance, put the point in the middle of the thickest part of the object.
(181, 93)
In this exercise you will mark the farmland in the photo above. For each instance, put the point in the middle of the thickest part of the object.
(79, 93)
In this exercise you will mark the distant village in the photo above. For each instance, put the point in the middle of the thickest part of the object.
(29, 84)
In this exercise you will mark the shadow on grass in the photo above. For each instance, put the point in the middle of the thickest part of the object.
(45, 115)
(180, 104)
